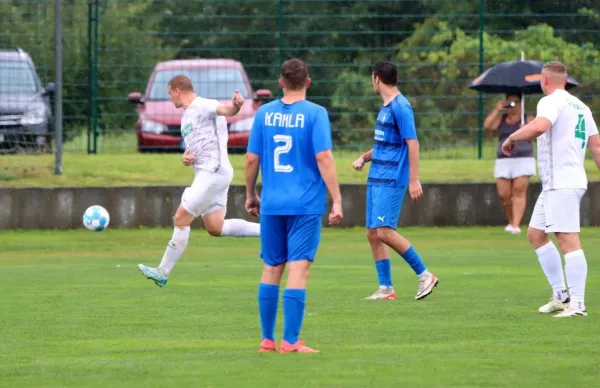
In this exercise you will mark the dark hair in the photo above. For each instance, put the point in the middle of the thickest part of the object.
(294, 73)
(387, 72)
(182, 83)
(513, 95)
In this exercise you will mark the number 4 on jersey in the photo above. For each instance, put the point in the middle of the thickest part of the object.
(580, 132)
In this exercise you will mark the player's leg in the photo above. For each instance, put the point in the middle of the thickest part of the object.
(214, 217)
(381, 257)
(386, 206)
(383, 264)
(504, 188)
(548, 257)
(564, 218)
(519, 201)
(274, 254)
(175, 248)
(303, 236)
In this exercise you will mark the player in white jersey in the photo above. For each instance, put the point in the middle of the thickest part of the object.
(564, 126)
(204, 130)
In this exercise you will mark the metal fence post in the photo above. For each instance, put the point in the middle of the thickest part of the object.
(58, 80)
(481, 59)
(93, 20)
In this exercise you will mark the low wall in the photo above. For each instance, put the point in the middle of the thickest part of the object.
(153, 206)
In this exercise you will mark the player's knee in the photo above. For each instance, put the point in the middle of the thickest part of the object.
(214, 231)
(537, 237)
(519, 191)
(372, 235)
(568, 242)
(383, 234)
(182, 218)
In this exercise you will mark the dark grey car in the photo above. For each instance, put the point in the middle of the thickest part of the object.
(25, 113)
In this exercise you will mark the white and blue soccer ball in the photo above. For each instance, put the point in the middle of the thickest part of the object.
(96, 218)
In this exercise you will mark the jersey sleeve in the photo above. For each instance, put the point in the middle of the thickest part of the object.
(405, 120)
(590, 127)
(209, 108)
(321, 132)
(546, 108)
(255, 140)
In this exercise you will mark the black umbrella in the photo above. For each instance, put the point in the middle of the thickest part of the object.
(518, 77)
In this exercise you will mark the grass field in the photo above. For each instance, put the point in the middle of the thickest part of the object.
(76, 313)
(118, 169)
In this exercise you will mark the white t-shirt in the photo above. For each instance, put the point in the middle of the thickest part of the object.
(205, 135)
(561, 150)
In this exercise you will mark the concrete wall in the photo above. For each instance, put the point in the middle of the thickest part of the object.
(442, 205)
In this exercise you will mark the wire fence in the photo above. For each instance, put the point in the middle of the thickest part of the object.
(117, 57)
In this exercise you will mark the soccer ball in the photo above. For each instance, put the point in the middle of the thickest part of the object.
(96, 218)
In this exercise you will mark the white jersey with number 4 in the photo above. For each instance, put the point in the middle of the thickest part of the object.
(561, 150)
(205, 135)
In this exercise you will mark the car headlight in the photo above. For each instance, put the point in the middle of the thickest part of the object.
(242, 125)
(153, 127)
(34, 117)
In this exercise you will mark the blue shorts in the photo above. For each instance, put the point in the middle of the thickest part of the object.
(289, 238)
(383, 206)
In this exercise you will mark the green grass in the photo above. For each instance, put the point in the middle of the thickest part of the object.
(118, 164)
(76, 313)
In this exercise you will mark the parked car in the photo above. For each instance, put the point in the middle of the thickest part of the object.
(158, 124)
(25, 113)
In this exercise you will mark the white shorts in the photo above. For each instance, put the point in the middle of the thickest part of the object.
(557, 211)
(207, 193)
(512, 168)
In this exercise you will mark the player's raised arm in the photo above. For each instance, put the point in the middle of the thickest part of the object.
(322, 146)
(231, 110)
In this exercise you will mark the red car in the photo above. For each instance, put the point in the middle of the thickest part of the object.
(158, 124)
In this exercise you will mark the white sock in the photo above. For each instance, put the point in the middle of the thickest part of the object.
(175, 249)
(240, 228)
(423, 275)
(576, 269)
(549, 259)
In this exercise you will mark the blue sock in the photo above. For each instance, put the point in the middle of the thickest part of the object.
(268, 297)
(294, 300)
(384, 272)
(414, 260)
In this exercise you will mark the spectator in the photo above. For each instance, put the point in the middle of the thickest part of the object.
(512, 172)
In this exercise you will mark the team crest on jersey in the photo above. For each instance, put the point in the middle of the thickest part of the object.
(383, 117)
(186, 129)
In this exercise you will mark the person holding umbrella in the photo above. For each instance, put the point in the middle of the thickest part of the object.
(512, 172)
(515, 79)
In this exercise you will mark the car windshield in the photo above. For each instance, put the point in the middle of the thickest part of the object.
(17, 77)
(219, 84)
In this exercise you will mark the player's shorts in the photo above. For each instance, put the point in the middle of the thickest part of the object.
(383, 206)
(557, 211)
(207, 193)
(513, 168)
(289, 238)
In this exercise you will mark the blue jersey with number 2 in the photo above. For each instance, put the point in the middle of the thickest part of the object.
(286, 138)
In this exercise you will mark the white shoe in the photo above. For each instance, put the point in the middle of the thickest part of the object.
(573, 312)
(426, 286)
(553, 305)
(511, 229)
(385, 293)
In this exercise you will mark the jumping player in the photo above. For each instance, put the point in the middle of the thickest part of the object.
(204, 130)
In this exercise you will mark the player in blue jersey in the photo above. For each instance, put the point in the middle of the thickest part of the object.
(394, 167)
(290, 142)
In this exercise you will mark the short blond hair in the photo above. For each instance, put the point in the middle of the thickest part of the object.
(556, 67)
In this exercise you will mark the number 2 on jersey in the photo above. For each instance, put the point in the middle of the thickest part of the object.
(282, 149)
(580, 130)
